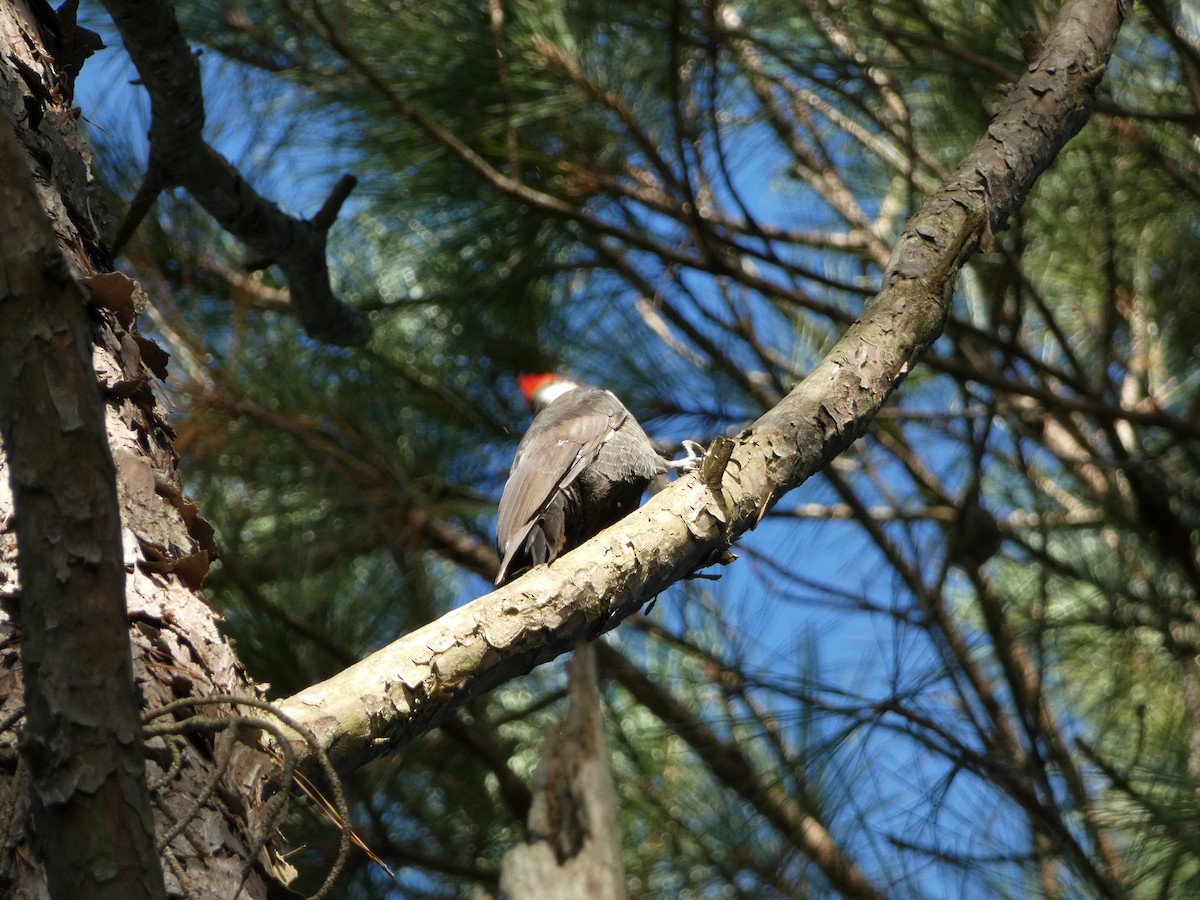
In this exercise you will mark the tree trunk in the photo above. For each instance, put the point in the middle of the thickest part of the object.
(574, 842)
(90, 509)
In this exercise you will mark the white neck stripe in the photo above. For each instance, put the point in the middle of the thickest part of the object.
(552, 390)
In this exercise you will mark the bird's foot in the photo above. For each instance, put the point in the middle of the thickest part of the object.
(691, 462)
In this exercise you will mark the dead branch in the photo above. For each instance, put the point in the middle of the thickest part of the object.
(179, 156)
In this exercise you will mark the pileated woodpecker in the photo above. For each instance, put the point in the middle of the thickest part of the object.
(582, 465)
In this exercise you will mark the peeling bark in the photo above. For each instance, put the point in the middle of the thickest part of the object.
(82, 739)
(97, 599)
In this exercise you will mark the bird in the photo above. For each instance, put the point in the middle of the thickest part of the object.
(582, 465)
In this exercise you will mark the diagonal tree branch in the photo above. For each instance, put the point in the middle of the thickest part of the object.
(411, 685)
(179, 156)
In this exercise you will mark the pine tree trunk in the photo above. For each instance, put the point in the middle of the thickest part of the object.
(81, 749)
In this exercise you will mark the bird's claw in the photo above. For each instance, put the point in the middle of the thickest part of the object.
(691, 462)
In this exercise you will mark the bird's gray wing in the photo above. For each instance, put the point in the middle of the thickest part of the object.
(561, 442)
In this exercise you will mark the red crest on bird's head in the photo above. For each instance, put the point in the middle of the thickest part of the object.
(531, 384)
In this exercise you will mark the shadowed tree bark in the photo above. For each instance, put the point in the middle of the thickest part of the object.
(82, 737)
(100, 552)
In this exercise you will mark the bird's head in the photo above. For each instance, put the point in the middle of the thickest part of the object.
(542, 389)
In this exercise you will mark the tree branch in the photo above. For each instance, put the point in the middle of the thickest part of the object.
(180, 156)
(411, 685)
